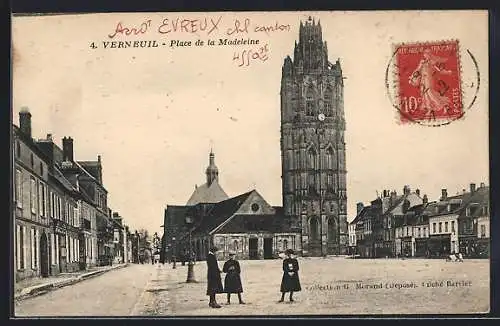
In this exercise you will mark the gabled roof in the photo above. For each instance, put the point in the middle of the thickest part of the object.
(413, 199)
(93, 167)
(205, 193)
(367, 210)
(221, 211)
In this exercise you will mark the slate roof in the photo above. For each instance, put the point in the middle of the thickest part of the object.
(481, 196)
(220, 212)
(205, 193)
(397, 208)
(58, 175)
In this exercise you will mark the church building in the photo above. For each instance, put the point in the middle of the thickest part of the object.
(245, 224)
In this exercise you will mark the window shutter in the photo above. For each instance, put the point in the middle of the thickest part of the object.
(19, 246)
(32, 242)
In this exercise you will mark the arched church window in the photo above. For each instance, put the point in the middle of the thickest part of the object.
(311, 183)
(327, 102)
(311, 158)
(330, 158)
(310, 102)
(332, 230)
(313, 227)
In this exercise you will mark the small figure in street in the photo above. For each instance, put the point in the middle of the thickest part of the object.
(232, 281)
(214, 281)
(290, 281)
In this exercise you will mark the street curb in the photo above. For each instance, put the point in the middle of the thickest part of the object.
(45, 288)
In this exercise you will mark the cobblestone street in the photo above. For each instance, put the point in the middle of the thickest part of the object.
(333, 286)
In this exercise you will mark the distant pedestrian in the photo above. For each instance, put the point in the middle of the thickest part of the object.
(214, 282)
(290, 281)
(232, 281)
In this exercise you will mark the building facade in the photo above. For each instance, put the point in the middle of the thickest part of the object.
(313, 146)
(30, 203)
(435, 229)
(55, 205)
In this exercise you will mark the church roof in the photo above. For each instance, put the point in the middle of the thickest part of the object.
(221, 211)
(205, 193)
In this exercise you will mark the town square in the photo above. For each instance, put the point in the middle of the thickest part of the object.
(158, 290)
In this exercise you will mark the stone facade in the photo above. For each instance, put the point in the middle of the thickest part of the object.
(313, 146)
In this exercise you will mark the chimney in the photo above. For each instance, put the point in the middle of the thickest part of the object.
(25, 121)
(67, 149)
(49, 137)
(115, 214)
(425, 199)
(417, 191)
(359, 207)
(444, 194)
(406, 190)
(99, 158)
(482, 185)
(472, 187)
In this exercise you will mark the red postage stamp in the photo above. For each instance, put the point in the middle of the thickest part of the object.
(428, 81)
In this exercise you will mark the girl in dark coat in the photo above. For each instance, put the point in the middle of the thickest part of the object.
(232, 282)
(290, 281)
(214, 282)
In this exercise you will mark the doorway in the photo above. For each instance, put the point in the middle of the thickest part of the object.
(253, 248)
(268, 248)
(44, 255)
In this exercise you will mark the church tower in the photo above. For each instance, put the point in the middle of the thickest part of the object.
(312, 145)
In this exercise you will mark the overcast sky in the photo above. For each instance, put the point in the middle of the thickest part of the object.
(153, 114)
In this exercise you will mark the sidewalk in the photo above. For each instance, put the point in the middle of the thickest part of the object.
(36, 286)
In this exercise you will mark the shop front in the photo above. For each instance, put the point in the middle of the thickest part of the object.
(421, 247)
(439, 245)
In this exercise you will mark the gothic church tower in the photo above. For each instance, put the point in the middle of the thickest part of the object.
(312, 145)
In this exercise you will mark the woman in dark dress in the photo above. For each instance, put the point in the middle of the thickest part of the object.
(232, 282)
(290, 281)
(214, 282)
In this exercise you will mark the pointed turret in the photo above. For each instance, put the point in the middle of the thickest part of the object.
(212, 171)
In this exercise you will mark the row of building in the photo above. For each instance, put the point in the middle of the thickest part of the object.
(409, 225)
(62, 221)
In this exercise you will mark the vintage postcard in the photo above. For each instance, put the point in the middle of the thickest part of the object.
(251, 163)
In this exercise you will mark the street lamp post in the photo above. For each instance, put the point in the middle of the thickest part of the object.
(190, 275)
(173, 253)
(137, 237)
